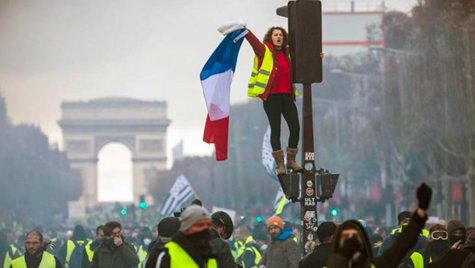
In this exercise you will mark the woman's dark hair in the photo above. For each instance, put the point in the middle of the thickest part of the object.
(268, 37)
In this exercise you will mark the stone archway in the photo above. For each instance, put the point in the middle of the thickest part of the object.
(139, 125)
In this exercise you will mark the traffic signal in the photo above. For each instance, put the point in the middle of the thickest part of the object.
(258, 219)
(123, 211)
(334, 212)
(142, 203)
(305, 39)
(326, 184)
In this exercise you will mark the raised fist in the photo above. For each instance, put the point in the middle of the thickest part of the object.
(424, 195)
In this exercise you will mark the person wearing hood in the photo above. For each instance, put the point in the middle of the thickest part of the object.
(144, 238)
(457, 232)
(35, 254)
(248, 254)
(321, 254)
(221, 229)
(79, 240)
(113, 251)
(351, 247)
(438, 246)
(90, 247)
(190, 246)
(461, 253)
(282, 251)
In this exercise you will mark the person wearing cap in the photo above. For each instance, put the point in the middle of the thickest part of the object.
(221, 229)
(248, 254)
(190, 246)
(403, 221)
(282, 251)
(166, 228)
(438, 246)
(321, 254)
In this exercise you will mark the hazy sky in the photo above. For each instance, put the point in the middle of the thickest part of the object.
(56, 50)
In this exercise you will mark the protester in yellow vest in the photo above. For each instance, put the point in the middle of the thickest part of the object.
(8, 251)
(35, 255)
(91, 246)
(190, 246)
(271, 80)
(438, 246)
(144, 239)
(248, 254)
(79, 239)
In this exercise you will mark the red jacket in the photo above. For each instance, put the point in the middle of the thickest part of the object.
(282, 81)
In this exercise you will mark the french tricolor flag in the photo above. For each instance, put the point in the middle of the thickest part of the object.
(216, 78)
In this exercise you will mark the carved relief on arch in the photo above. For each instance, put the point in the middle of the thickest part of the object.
(101, 141)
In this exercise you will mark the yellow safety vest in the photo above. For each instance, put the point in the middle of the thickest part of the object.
(239, 248)
(260, 77)
(248, 247)
(425, 232)
(418, 259)
(180, 259)
(142, 254)
(47, 261)
(89, 251)
(235, 247)
(14, 249)
(70, 248)
(8, 260)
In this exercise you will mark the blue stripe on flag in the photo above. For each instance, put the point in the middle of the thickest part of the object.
(224, 58)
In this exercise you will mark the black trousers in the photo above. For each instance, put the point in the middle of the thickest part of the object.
(275, 106)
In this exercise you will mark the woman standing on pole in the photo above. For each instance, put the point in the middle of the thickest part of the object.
(271, 80)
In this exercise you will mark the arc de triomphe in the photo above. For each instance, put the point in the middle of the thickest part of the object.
(139, 125)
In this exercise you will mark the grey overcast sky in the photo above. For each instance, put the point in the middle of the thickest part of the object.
(56, 50)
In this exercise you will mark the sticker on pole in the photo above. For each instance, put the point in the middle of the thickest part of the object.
(309, 191)
(309, 201)
(309, 156)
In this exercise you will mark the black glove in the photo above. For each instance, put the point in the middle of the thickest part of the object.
(424, 194)
(350, 247)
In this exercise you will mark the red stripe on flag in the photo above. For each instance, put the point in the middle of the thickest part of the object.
(217, 132)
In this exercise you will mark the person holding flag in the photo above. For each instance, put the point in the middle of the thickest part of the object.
(271, 80)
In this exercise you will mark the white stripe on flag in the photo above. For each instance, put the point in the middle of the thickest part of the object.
(216, 89)
(180, 192)
(168, 205)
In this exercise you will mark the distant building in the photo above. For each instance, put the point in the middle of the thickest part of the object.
(139, 125)
(177, 151)
(353, 29)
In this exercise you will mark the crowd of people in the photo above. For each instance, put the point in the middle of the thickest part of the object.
(196, 238)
